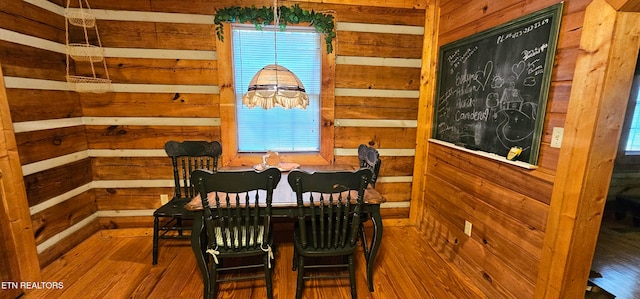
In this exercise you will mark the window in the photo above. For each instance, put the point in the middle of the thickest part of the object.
(633, 138)
(283, 130)
(228, 104)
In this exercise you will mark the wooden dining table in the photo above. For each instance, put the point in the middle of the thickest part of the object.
(284, 204)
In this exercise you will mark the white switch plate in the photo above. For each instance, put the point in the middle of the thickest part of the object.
(164, 198)
(556, 137)
(467, 227)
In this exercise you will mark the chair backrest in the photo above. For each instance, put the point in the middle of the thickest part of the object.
(188, 156)
(237, 207)
(335, 200)
(370, 159)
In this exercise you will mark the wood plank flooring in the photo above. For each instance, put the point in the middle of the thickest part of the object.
(617, 257)
(111, 264)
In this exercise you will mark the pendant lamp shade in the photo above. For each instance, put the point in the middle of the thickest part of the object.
(274, 86)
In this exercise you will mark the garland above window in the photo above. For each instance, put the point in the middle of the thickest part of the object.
(323, 23)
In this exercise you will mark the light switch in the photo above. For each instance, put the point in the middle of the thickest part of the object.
(467, 227)
(556, 137)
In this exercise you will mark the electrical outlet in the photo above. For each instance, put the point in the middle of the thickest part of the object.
(164, 198)
(467, 227)
(556, 137)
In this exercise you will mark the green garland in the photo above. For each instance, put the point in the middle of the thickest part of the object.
(260, 17)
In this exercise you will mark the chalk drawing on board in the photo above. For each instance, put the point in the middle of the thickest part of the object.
(492, 87)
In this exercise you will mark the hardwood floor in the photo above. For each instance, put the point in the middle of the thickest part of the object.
(117, 264)
(111, 264)
(617, 257)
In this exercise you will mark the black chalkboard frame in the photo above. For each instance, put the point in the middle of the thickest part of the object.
(554, 13)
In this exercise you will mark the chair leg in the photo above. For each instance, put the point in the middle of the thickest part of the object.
(179, 225)
(295, 260)
(300, 283)
(213, 281)
(156, 226)
(363, 239)
(267, 276)
(352, 277)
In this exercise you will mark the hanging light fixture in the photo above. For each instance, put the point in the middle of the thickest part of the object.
(275, 85)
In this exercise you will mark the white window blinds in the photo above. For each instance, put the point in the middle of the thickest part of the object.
(277, 129)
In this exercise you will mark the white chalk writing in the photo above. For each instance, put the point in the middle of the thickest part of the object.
(527, 54)
(521, 32)
(455, 59)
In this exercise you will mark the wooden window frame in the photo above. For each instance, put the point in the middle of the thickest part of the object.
(228, 122)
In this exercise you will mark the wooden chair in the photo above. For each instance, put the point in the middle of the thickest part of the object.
(186, 156)
(238, 225)
(369, 159)
(330, 230)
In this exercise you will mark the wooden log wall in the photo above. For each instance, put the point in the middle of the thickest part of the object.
(507, 205)
(625, 179)
(96, 161)
(18, 260)
(50, 137)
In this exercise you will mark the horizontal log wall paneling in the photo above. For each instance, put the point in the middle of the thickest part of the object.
(162, 59)
(47, 144)
(28, 105)
(19, 259)
(163, 63)
(50, 137)
(624, 184)
(507, 205)
(151, 105)
(377, 87)
(377, 74)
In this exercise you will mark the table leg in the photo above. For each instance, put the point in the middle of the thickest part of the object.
(376, 239)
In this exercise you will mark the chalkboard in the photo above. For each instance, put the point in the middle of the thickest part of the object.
(492, 87)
